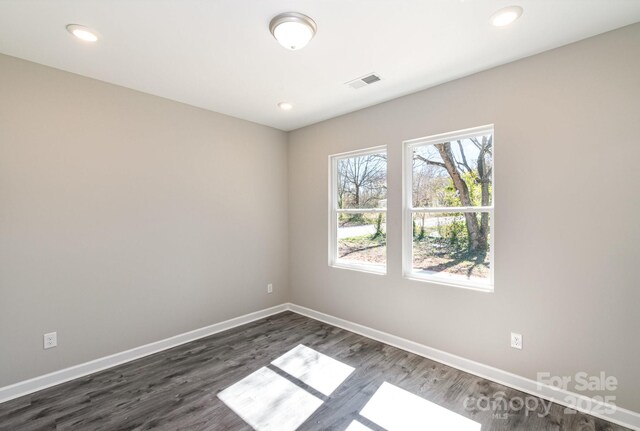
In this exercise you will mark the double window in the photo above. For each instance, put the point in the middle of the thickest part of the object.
(448, 208)
(358, 210)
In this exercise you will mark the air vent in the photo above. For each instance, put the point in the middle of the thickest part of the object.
(363, 81)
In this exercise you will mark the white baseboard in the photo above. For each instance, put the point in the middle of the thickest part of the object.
(596, 408)
(618, 415)
(55, 378)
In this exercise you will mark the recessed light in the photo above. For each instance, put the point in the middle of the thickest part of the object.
(292, 30)
(82, 32)
(506, 16)
(285, 106)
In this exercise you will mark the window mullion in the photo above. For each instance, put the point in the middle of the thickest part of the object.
(452, 210)
(360, 210)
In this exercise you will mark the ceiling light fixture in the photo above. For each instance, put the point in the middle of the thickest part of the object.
(506, 16)
(292, 30)
(285, 106)
(82, 32)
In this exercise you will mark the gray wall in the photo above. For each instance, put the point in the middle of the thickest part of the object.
(126, 218)
(567, 156)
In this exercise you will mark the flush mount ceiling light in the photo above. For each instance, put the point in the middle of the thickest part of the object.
(292, 30)
(82, 32)
(285, 106)
(506, 16)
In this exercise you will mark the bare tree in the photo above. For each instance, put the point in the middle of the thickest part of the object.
(457, 167)
(362, 180)
(428, 190)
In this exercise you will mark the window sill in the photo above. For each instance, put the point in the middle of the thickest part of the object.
(370, 269)
(451, 282)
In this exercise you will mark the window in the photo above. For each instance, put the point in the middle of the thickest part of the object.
(358, 210)
(448, 208)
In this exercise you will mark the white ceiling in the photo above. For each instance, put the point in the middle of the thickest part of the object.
(219, 54)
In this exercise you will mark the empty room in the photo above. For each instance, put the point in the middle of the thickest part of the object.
(346, 215)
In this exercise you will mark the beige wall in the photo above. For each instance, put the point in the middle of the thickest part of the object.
(567, 152)
(126, 218)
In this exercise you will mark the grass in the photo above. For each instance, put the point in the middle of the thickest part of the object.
(366, 248)
(430, 253)
(438, 255)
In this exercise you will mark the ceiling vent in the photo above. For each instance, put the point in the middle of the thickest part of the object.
(364, 81)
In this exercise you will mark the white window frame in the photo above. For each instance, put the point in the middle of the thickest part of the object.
(409, 210)
(334, 261)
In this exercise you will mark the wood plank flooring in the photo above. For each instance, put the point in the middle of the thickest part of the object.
(177, 389)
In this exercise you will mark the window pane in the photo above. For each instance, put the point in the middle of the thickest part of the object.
(362, 238)
(453, 174)
(362, 181)
(455, 245)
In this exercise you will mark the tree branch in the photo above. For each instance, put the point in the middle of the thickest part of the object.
(464, 158)
(427, 161)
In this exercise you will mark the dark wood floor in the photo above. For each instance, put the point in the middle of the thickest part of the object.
(176, 389)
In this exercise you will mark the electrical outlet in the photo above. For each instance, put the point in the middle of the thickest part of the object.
(50, 340)
(516, 341)
(269, 288)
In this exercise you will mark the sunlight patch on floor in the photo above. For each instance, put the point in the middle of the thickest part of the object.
(321, 372)
(357, 426)
(269, 402)
(395, 409)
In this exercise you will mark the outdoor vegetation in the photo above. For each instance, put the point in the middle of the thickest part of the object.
(449, 175)
(362, 184)
(449, 180)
